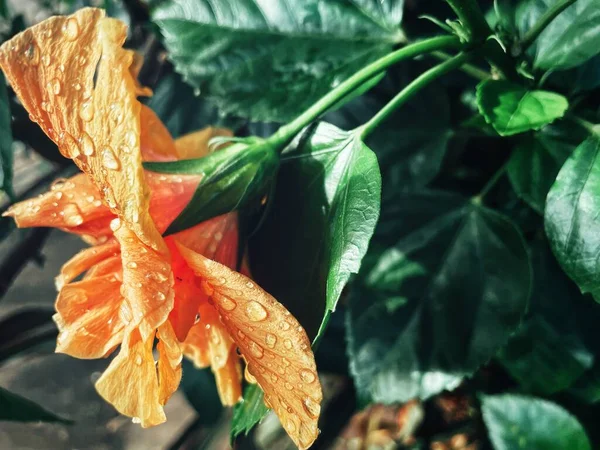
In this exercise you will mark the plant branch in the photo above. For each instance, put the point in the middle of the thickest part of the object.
(287, 132)
(467, 68)
(490, 184)
(472, 19)
(412, 88)
(543, 22)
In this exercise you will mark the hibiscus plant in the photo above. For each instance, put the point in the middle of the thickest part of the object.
(398, 197)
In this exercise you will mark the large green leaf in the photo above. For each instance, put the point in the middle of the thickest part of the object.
(557, 341)
(249, 411)
(323, 215)
(15, 408)
(510, 108)
(443, 296)
(518, 422)
(534, 164)
(569, 40)
(268, 60)
(571, 216)
(6, 153)
(411, 144)
(231, 178)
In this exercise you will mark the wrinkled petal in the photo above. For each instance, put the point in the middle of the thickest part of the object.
(70, 72)
(273, 343)
(195, 145)
(70, 205)
(229, 379)
(84, 260)
(110, 265)
(147, 282)
(88, 317)
(169, 362)
(130, 382)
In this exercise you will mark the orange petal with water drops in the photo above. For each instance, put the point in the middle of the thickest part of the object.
(88, 317)
(195, 346)
(69, 205)
(112, 265)
(84, 260)
(73, 77)
(229, 379)
(274, 344)
(195, 145)
(156, 142)
(147, 281)
(131, 384)
(169, 362)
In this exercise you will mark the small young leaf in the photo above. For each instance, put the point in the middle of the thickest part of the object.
(571, 217)
(249, 412)
(511, 108)
(15, 408)
(450, 286)
(325, 209)
(268, 60)
(515, 421)
(231, 178)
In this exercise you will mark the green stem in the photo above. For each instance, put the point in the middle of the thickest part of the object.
(469, 69)
(590, 127)
(490, 184)
(472, 19)
(287, 132)
(543, 22)
(412, 88)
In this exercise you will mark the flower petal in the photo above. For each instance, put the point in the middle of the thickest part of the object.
(156, 142)
(70, 73)
(84, 260)
(169, 362)
(88, 317)
(274, 344)
(229, 379)
(195, 145)
(130, 382)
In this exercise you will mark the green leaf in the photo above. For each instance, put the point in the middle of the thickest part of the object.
(557, 341)
(534, 164)
(328, 193)
(6, 152)
(511, 108)
(269, 61)
(411, 144)
(181, 111)
(571, 219)
(515, 421)
(15, 408)
(249, 412)
(200, 389)
(231, 178)
(570, 39)
(450, 285)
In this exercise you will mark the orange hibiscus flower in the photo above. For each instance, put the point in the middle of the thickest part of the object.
(79, 84)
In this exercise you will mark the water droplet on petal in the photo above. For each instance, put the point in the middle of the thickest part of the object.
(256, 312)
(288, 386)
(86, 112)
(71, 29)
(270, 340)
(132, 264)
(115, 224)
(308, 376)
(131, 139)
(87, 145)
(54, 86)
(72, 215)
(109, 160)
(255, 349)
(312, 408)
(214, 336)
(284, 325)
(46, 60)
(250, 284)
(160, 296)
(287, 344)
(274, 378)
(138, 360)
(136, 420)
(226, 303)
(58, 195)
(241, 334)
(290, 425)
(77, 86)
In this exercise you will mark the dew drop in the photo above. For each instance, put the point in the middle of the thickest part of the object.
(109, 160)
(115, 224)
(286, 363)
(256, 312)
(255, 349)
(71, 29)
(312, 408)
(136, 420)
(227, 304)
(54, 86)
(87, 145)
(132, 264)
(241, 334)
(290, 425)
(131, 139)
(250, 284)
(308, 376)
(287, 344)
(138, 360)
(86, 112)
(270, 340)
(58, 195)
(274, 378)
(77, 86)
(284, 325)
(214, 336)
(160, 296)
(288, 386)
(46, 60)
